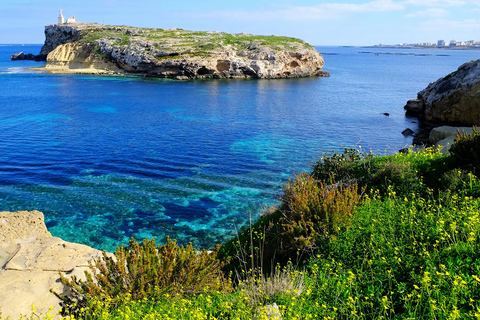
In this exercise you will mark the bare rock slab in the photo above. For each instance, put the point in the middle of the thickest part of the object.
(30, 262)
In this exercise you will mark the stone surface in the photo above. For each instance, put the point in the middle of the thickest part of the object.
(415, 108)
(177, 54)
(79, 58)
(408, 132)
(453, 100)
(27, 56)
(30, 262)
(56, 35)
(444, 132)
(444, 136)
(445, 144)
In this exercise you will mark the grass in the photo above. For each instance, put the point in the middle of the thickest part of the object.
(197, 42)
(389, 237)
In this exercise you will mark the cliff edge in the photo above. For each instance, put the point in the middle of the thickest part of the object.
(176, 53)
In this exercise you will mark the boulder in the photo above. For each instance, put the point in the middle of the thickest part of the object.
(445, 144)
(443, 132)
(30, 262)
(408, 132)
(453, 100)
(444, 136)
(415, 108)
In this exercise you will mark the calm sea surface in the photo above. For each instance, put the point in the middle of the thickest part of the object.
(108, 158)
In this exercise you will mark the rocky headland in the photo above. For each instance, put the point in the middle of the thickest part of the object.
(176, 53)
(453, 100)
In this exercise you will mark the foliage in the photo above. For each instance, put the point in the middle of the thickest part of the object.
(261, 289)
(461, 182)
(415, 171)
(410, 249)
(147, 271)
(196, 43)
(310, 210)
(345, 167)
(313, 210)
(466, 149)
(406, 258)
(401, 258)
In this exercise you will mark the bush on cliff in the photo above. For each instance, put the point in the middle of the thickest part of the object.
(311, 211)
(466, 149)
(144, 270)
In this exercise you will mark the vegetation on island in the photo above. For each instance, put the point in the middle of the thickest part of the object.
(359, 237)
(177, 42)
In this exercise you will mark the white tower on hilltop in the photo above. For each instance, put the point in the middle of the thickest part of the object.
(60, 18)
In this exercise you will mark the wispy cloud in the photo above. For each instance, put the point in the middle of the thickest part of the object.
(324, 11)
(429, 13)
(438, 3)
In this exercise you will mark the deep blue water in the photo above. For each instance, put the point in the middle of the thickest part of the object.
(107, 158)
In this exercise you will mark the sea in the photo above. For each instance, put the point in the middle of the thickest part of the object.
(107, 158)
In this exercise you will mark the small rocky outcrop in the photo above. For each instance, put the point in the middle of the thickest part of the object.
(27, 56)
(452, 100)
(30, 262)
(176, 53)
(408, 132)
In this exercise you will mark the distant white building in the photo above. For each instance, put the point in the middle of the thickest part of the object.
(60, 18)
(71, 20)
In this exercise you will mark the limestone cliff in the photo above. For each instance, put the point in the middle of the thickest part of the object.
(452, 100)
(177, 54)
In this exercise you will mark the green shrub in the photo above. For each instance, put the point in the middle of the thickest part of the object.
(147, 271)
(466, 149)
(461, 182)
(346, 167)
(396, 172)
(313, 210)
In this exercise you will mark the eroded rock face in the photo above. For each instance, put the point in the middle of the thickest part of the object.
(178, 54)
(30, 262)
(79, 56)
(56, 35)
(452, 100)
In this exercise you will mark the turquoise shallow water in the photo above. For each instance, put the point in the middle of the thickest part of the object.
(107, 158)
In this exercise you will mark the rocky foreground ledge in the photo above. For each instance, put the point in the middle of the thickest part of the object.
(30, 262)
(176, 53)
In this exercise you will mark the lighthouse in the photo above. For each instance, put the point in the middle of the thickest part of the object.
(60, 17)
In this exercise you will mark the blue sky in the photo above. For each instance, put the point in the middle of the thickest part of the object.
(321, 22)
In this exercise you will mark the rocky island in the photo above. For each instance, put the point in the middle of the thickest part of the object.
(175, 53)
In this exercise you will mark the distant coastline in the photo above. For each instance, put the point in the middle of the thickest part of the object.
(426, 47)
